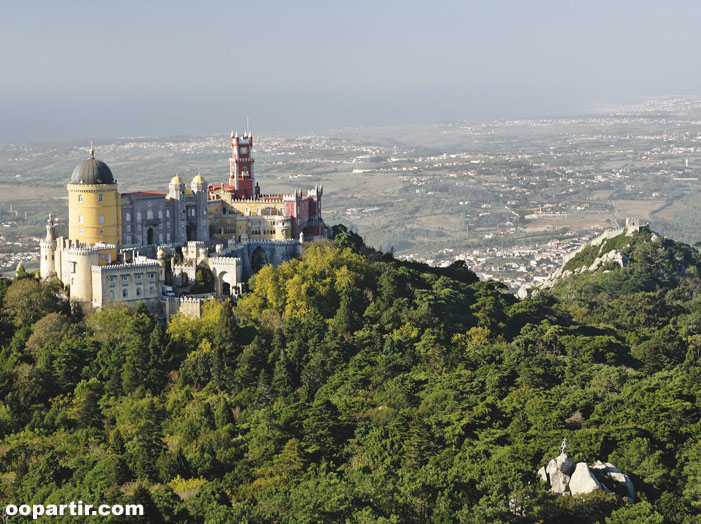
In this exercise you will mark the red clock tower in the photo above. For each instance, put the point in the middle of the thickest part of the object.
(241, 167)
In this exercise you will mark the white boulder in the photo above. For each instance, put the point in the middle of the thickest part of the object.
(583, 480)
(559, 471)
(542, 475)
(625, 481)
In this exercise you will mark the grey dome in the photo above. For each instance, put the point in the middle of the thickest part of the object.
(92, 172)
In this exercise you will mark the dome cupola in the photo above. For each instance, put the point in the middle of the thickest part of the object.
(92, 172)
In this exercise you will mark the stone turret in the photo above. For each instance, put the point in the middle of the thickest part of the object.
(47, 250)
(199, 189)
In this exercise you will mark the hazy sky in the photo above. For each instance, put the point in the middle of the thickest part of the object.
(77, 69)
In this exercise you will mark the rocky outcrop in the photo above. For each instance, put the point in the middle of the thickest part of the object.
(559, 471)
(607, 470)
(566, 478)
(619, 257)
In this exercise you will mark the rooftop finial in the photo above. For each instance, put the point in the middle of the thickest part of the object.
(92, 151)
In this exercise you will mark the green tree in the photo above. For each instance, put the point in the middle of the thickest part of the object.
(27, 300)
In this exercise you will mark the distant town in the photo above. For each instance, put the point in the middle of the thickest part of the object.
(510, 197)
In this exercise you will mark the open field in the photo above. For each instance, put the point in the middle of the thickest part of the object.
(642, 209)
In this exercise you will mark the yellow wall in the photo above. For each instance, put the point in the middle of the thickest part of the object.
(271, 224)
(259, 220)
(248, 207)
(90, 208)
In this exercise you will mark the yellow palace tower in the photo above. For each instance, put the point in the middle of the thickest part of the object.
(94, 208)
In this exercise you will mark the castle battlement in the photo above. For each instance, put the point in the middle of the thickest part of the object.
(275, 242)
(194, 300)
(121, 267)
(220, 261)
(88, 250)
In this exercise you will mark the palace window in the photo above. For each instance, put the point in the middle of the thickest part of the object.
(138, 216)
(100, 197)
(167, 213)
(168, 237)
(125, 280)
(102, 230)
(125, 293)
(151, 290)
(111, 294)
(80, 231)
(138, 278)
(128, 228)
(80, 198)
(112, 281)
(160, 213)
(101, 219)
(128, 239)
(149, 214)
(138, 291)
(160, 237)
(128, 216)
(72, 265)
(80, 219)
(152, 277)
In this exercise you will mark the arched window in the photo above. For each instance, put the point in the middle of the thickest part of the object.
(160, 213)
(128, 216)
(149, 215)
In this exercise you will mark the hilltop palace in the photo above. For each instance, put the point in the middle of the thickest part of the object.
(148, 245)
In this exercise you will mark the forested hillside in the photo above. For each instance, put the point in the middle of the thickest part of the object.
(349, 387)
